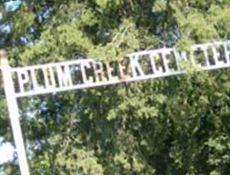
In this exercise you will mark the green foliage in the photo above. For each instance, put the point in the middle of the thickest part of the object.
(176, 125)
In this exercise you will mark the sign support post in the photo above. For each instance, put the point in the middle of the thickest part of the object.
(13, 113)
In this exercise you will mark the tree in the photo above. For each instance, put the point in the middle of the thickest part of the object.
(176, 125)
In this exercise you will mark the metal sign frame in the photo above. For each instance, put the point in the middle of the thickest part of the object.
(14, 114)
(57, 77)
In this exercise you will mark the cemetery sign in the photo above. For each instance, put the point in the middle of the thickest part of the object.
(86, 73)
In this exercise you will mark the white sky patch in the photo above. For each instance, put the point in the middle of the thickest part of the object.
(6, 152)
(12, 5)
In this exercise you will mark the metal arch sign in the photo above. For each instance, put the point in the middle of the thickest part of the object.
(86, 73)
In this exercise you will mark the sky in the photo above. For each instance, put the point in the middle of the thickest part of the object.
(6, 152)
(12, 5)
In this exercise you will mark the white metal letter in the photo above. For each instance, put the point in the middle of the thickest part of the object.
(34, 80)
(110, 71)
(166, 61)
(23, 78)
(179, 56)
(204, 48)
(64, 76)
(98, 71)
(84, 65)
(48, 73)
(227, 51)
(136, 68)
(153, 58)
(216, 56)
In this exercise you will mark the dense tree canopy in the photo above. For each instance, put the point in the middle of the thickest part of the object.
(176, 125)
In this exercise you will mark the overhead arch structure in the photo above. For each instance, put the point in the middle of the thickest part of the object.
(87, 73)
